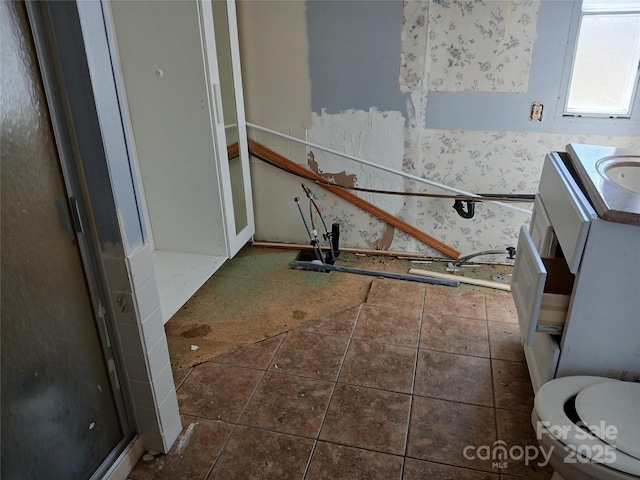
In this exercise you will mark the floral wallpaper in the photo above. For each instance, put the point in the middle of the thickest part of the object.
(479, 45)
(414, 44)
(475, 161)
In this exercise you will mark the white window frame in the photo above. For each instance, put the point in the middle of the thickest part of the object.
(561, 115)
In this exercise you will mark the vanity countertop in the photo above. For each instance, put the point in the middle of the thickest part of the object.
(614, 201)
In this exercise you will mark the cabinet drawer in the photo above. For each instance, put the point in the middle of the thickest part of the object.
(541, 290)
(567, 208)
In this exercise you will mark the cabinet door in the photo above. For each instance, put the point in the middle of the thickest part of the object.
(527, 286)
(541, 229)
(220, 37)
(542, 358)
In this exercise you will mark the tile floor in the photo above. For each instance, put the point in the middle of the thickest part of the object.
(395, 388)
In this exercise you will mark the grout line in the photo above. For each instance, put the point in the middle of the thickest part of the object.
(235, 424)
(470, 469)
(460, 402)
(413, 385)
(184, 379)
(432, 349)
(493, 387)
(335, 385)
(444, 314)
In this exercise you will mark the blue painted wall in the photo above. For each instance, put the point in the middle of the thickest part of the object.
(354, 61)
(354, 55)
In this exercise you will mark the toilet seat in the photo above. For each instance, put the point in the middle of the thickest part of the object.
(549, 405)
(622, 408)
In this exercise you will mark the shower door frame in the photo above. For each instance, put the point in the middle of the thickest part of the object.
(72, 165)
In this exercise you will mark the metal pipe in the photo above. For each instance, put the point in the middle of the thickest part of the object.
(466, 258)
(325, 267)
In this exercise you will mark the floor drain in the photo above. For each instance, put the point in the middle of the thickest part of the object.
(501, 278)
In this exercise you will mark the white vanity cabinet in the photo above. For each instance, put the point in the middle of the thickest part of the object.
(576, 285)
(179, 70)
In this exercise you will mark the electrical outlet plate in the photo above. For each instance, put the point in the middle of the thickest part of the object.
(535, 114)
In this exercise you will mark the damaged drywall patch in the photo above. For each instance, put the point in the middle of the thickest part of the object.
(339, 178)
(351, 180)
(371, 135)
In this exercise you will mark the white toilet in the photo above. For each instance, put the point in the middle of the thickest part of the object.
(611, 410)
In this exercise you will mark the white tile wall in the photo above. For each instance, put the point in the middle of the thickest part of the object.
(158, 355)
(170, 422)
(134, 294)
(142, 394)
(130, 339)
(148, 420)
(136, 366)
(124, 306)
(152, 327)
(162, 384)
(141, 267)
(147, 298)
(116, 272)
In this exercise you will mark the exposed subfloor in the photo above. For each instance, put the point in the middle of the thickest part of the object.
(256, 295)
(417, 382)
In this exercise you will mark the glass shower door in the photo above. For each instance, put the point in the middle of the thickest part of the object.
(59, 416)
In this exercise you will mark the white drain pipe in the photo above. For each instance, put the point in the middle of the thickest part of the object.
(387, 169)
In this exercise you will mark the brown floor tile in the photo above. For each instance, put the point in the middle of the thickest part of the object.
(338, 462)
(459, 378)
(259, 454)
(288, 404)
(440, 430)
(459, 303)
(455, 335)
(256, 355)
(378, 365)
(500, 308)
(192, 455)
(512, 386)
(310, 355)
(504, 340)
(396, 294)
(339, 324)
(515, 430)
(218, 392)
(180, 374)
(388, 325)
(421, 470)
(367, 418)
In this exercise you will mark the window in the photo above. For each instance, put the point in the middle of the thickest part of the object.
(606, 61)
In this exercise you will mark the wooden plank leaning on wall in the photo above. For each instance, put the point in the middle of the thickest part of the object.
(261, 151)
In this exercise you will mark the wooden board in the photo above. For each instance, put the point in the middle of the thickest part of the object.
(262, 151)
(461, 279)
(299, 246)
